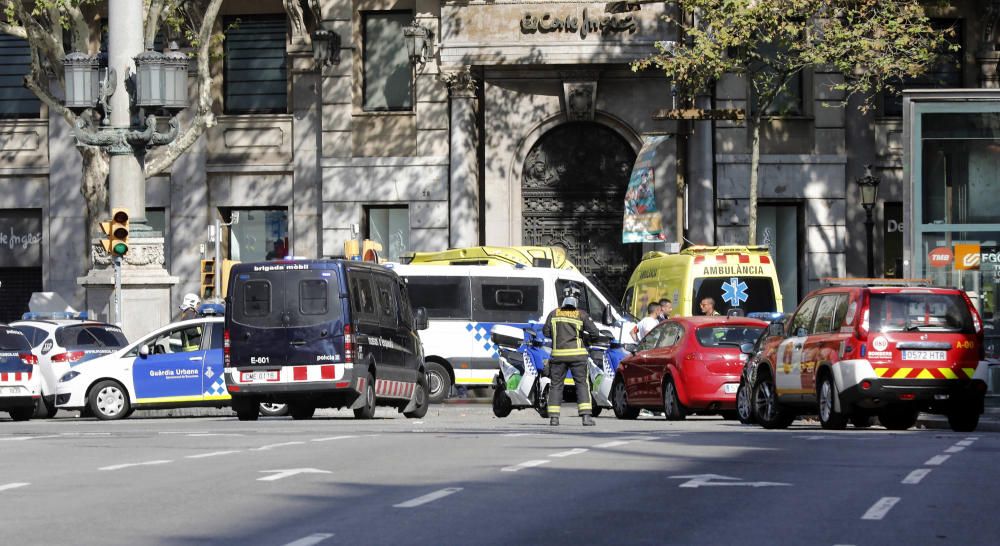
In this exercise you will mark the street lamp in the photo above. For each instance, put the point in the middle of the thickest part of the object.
(868, 184)
(326, 47)
(417, 42)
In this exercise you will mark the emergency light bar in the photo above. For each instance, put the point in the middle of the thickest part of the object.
(52, 315)
(835, 281)
(211, 309)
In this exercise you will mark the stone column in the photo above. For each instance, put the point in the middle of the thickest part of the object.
(988, 75)
(126, 180)
(463, 183)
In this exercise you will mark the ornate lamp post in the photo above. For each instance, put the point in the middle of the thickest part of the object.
(868, 184)
(417, 42)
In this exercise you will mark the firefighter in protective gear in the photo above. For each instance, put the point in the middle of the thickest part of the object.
(567, 327)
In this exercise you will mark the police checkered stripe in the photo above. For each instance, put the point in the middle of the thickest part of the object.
(296, 374)
(925, 373)
(8, 377)
(393, 389)
(732, 259)
(217, 388)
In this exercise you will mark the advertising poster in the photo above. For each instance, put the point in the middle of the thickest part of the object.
(643, 222)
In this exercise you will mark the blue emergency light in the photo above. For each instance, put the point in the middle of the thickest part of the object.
(54, 315)
(211, 309)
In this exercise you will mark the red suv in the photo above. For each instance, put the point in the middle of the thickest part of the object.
(851, 352)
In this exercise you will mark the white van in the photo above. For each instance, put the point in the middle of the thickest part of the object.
(464, 302)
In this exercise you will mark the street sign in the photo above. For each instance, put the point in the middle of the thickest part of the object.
(715, 480)
(940, 257)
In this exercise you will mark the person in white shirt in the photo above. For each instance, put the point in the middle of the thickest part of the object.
(648, 322)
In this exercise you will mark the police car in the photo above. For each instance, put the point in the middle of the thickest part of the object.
(62, 341)
(20, 385)
(179, 365)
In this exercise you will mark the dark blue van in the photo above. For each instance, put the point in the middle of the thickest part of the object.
(323, 334)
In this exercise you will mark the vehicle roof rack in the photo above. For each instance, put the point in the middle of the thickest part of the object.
(849, 281)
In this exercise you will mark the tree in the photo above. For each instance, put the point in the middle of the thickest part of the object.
(874, 44)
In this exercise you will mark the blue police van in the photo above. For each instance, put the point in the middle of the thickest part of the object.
(323, 334)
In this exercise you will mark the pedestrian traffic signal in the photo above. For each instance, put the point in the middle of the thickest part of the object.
(116, 243)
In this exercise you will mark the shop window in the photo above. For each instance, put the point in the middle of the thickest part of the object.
(390, 226)
(946, 72)
(255, 76)
(388, 76)
(958, 168)
(15, 61)
(257, 235)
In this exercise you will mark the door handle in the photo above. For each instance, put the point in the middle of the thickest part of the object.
(196, 358)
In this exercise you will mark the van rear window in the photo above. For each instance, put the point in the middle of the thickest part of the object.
(288, 299)
(442, 297)
(313, 297)
(751, 294)
(919, 312)
(257, 298)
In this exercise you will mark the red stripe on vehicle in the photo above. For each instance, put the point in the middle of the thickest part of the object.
(744, 259)
(765, 260)
(300, 373)
(327, 372)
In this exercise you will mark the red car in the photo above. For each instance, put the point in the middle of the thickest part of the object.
(685, 365)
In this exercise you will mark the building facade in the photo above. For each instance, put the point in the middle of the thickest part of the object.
(519, 125)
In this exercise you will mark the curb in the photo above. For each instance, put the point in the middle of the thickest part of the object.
(987, 422)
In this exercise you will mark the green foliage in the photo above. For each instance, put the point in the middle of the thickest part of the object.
(872, 42)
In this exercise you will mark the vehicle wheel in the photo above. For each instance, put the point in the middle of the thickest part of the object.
(964, 418)
(367, 411)
(862, 420)
(301, 411)
(595, 410)
(730, 415)
(22, 414)
(672, 408)
(246, 410)
(744, 408)
(766, 408)
(109, 401)
(898, 417)
(542, 403)
(619, 402)
(438, 382)
(829, 418)
(271, 409)
(501, 402)
(46, 408)
(423, 401)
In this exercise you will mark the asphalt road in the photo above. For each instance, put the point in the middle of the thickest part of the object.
(461, 476)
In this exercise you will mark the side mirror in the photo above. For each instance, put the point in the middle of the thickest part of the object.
(144, 351)
(776, 329)
(420, 318)
(746, 348)
(631, 347)
(608, 317)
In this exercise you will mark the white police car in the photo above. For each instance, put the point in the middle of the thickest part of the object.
(62, 341)
(20, 384)
(179, 365)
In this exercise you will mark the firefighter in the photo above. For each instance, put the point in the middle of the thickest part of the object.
(567, 327)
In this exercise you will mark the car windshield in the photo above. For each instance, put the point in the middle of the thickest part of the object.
(13, 340)
(911, 312)
(90, 336)
(716, 336)
(752, 294)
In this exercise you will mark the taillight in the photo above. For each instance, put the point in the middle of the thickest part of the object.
(863, 325)
(225, 347)
(72, 356)
(348, 344)
(28, 358)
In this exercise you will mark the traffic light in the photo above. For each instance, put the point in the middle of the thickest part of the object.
(116, 231)
(207, 279)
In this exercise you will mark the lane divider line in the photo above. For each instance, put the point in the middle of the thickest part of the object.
(15, 485)
(310, 540)
(272, 446)
(615, 443)
(954, 449)
(964, 443)
(331, 438)
(127, 465)
(917, 475)
(430, 497)
(574, 451)
(880, 508)
(23, 438)
(212, 454)
(522, 466)
(936, 460)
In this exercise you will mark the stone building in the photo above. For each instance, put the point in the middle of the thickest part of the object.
(518, 125)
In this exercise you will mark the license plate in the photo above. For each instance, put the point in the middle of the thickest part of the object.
(925, 355)
(731, 388)
(253, 377)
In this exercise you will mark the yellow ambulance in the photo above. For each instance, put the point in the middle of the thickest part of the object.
(741, 277)
(534, 256)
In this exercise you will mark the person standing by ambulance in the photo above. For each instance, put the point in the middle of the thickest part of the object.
(566, 327)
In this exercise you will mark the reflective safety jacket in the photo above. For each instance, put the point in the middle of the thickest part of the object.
(567, 327)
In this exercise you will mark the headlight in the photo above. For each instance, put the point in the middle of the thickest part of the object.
(68, 376)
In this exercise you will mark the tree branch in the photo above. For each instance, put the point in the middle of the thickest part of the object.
(13, 30)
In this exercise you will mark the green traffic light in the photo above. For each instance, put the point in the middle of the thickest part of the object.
(119, 249)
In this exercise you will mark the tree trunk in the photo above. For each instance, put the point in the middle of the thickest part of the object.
(754, 166)
(94, 187)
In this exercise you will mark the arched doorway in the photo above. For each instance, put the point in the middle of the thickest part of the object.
(573, 192)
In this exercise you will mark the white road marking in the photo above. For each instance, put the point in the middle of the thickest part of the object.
(272, 446)
(127, 465)
(331, 438)
(880, 508)
(615, 443)
(202, 434)
(917, 475)
(518, 434)
(972, 438)
(15, 485)
(954, 449)
(310, 540)
(288, 472)
(964, 443)
(430, 497)
(23, 438)
(522, 466)
(85, 434)
(936, 460)
(574, 451)
(706, 480)
(212, 454)
(417, 422)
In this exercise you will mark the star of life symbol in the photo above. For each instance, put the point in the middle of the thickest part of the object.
(734, 292)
